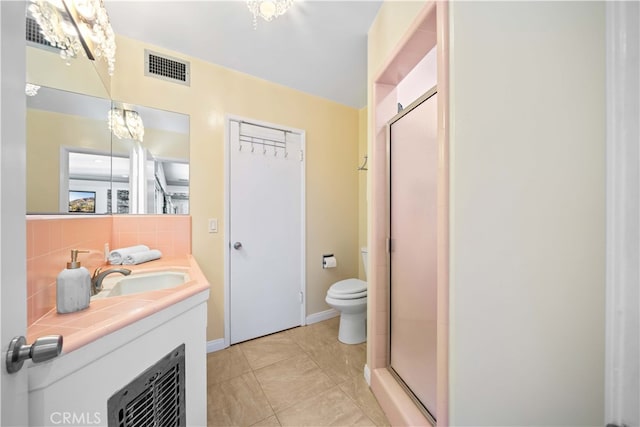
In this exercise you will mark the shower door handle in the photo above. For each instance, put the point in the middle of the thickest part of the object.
(237, 245)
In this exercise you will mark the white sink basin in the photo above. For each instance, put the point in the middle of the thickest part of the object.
(116, 285)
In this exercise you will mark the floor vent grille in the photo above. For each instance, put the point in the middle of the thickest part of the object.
(166, 68)
(154, 398)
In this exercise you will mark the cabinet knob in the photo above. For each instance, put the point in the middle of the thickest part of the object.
(44, 348)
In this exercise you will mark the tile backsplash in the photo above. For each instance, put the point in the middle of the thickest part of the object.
(171, 234)
(50, 240)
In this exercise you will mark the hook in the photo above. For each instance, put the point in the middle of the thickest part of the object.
(364, 164)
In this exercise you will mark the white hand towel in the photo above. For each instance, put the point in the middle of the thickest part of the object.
(117, 256)
(140, 257)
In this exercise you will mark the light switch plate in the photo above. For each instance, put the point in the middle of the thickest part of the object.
(213, 225)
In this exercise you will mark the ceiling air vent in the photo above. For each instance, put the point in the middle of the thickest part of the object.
(34, 35)
(166, 68)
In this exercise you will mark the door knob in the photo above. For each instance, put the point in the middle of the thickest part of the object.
(237, 245)
(44, 348)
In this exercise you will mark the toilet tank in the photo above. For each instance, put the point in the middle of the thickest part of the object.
(364, 253)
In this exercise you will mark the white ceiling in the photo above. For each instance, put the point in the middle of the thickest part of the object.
(318, 47)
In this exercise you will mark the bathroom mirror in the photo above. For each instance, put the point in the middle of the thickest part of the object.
(76, 165)
(61, 124)
(45, 67)
(150, 173)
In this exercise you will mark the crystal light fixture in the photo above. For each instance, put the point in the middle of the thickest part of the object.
(76, 26)
(267, 9)
(126, 124)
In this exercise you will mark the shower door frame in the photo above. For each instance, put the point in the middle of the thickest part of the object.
(423, 98)
(428, 30)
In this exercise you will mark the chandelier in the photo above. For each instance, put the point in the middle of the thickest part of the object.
(267, 9)
(76, 26)
(126, 124)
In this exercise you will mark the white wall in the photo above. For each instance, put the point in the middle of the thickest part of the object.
(527, 213)
(13, 242)
(622, 367)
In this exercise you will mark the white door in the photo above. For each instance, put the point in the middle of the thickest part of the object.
(266, 229)
(13, 287)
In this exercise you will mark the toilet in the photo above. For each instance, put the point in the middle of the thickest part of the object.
(349, 297)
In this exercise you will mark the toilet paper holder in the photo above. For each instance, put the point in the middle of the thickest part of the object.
(329, 261)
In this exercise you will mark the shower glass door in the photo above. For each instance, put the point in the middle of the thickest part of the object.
(413, 161)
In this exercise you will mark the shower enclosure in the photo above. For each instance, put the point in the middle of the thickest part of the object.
(412, 172)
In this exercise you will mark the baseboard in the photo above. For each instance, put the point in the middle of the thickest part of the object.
(219, 344)
(215, 345)
(367, 374)
(323, 315)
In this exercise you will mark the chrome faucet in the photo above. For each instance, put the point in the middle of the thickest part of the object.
(99, 275)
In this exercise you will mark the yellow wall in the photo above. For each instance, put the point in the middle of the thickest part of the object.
(331, 156)
(362, 187)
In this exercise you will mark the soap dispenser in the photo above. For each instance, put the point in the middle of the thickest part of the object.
(73, 286)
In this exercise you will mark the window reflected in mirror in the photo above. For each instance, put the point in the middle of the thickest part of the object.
(156, 149)
(108, 179)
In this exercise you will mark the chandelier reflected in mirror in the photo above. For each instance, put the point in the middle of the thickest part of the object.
(31, 89)
(76, 26)
(126, 124)
(267, 9)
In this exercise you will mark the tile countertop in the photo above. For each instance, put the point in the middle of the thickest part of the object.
(107, 315)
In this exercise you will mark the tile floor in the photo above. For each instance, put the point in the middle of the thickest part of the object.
(299, 377)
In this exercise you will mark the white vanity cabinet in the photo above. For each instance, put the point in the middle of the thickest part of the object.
(74, 388)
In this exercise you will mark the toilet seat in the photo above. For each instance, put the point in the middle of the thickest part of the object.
(347, 296)
(348, 289)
